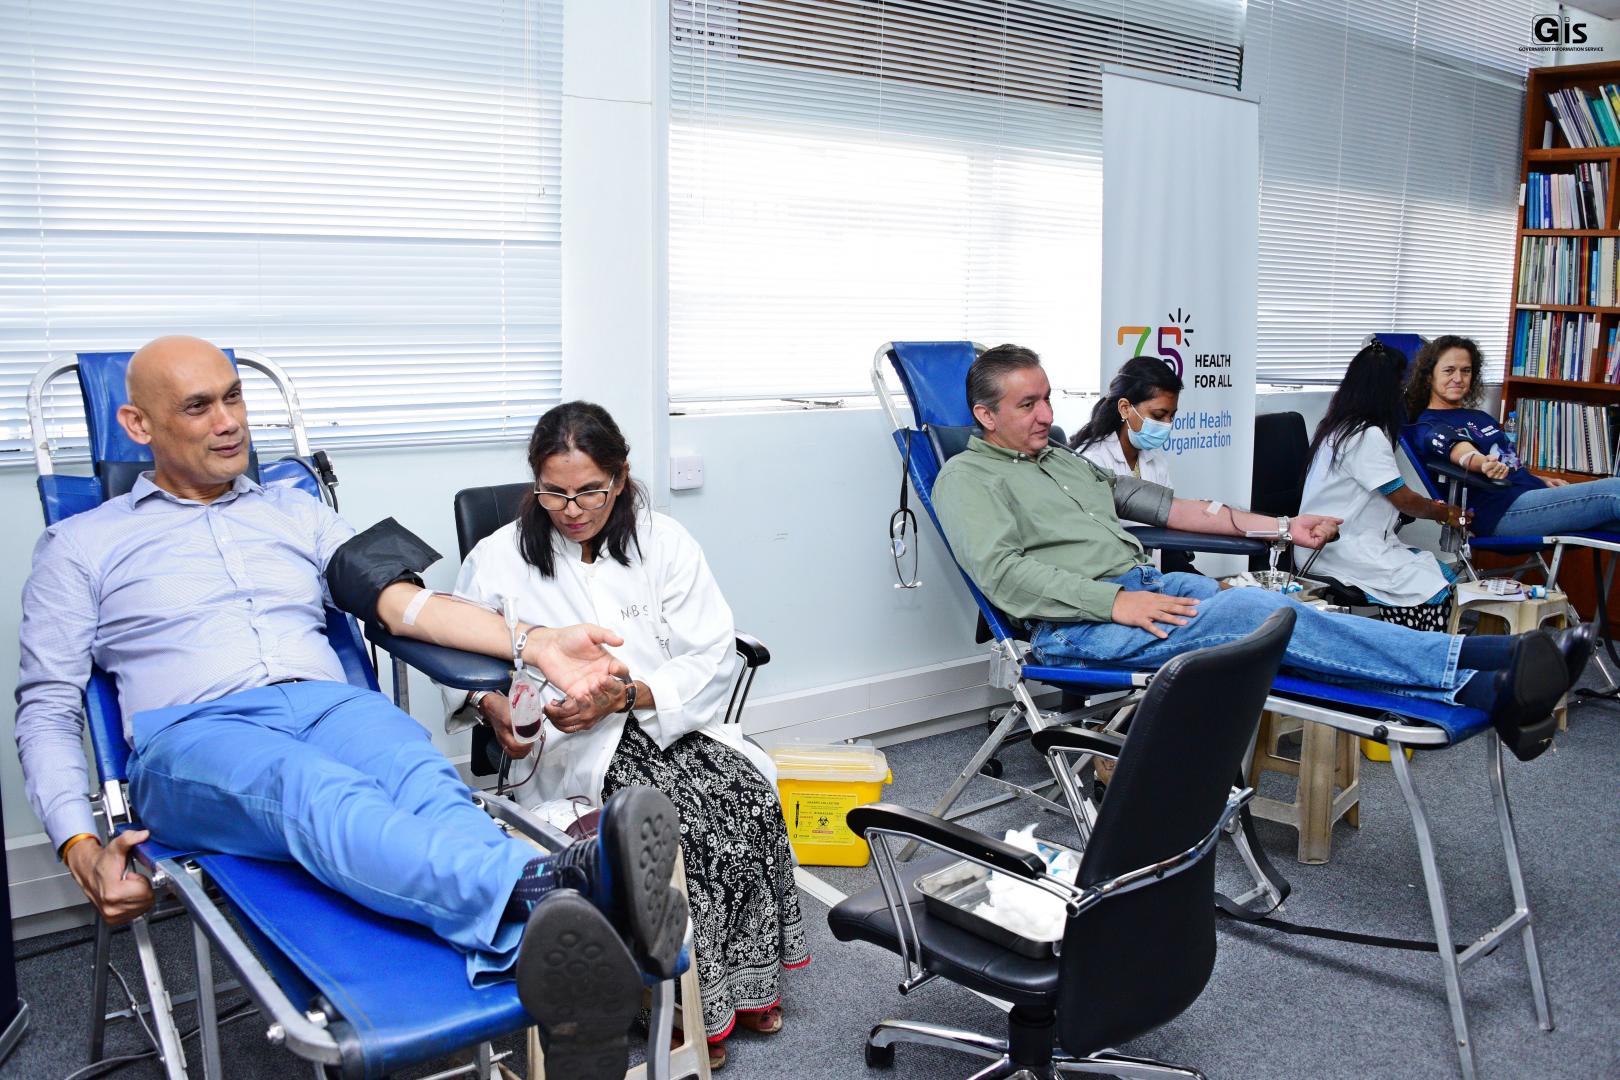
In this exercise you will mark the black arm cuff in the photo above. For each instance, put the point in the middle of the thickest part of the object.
(370, 561)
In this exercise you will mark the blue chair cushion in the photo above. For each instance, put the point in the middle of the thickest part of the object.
(934, 376)
(402, 992)
(101, 380)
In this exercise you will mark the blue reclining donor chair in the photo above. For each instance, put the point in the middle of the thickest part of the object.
(1451, 484)
(355, 993)
(933, 375)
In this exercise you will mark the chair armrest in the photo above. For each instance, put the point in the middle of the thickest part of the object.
(1156, 539)
(948, 836)
(1103, 743)
(447, 667)
(752, 650)
(1457, 472)
(1143, 876)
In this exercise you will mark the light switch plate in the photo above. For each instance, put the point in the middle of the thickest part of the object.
(685, 472)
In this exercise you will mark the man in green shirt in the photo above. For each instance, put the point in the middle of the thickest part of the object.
(1038, 530)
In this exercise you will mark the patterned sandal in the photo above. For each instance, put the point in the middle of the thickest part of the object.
(766, 1021)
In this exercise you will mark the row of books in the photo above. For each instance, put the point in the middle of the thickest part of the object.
(1566, 435)
(1568, 200)
(1550, 269)
(1588, 120)
(1561, 345)
(1601, 272)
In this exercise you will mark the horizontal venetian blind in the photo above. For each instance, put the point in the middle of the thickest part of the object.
(1389, 174)
(848, 172)
(367, 191)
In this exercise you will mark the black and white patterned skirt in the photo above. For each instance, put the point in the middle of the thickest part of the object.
(746, 924)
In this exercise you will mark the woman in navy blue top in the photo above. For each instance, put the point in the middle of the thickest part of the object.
(1442, 396)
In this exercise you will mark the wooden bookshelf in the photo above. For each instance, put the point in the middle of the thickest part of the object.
(1538, 381)
(1562, 158)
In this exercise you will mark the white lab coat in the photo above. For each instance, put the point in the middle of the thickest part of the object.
(678, 639)
(1367, 553)
(1152, 465)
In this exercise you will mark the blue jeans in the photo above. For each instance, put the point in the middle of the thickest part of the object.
(1576, 508)
(1338, 648)
(338, 780)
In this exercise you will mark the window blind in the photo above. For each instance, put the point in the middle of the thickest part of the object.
(367, 191)
(1389, 174)
(848, 172)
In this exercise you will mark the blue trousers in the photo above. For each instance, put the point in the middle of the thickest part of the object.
(338, 780)
(1575, 508)
(1337, 648)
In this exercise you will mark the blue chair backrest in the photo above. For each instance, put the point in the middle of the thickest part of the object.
(1431, 483)
(933, 375)
(102, 385)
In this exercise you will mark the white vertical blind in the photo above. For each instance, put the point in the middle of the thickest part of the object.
(368, 191)
(846, 172)
(1389, 174)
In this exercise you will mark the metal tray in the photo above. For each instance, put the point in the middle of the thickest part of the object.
(952, 892)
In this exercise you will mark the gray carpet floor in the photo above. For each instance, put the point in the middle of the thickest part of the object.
(1276, 1006)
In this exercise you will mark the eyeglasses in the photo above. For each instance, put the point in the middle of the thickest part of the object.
(554, 501)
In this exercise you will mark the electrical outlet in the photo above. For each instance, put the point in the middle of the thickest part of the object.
(685, 472)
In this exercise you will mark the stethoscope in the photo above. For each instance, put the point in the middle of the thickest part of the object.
(903, 529)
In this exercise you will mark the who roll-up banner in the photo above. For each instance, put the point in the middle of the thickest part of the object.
(1181, 184)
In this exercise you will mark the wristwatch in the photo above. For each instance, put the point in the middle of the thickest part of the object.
(1282, 526)
(629, 694)
(475, 702)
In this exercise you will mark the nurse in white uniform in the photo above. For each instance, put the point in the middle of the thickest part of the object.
(1129, 428)
(587, 547)
(1354, 476)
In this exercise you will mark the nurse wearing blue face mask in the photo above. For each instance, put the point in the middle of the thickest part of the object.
(1131, 425)
(1132, 422)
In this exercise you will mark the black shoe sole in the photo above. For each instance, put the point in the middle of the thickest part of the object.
(580, 985)
(1538, 678)
(641, 834)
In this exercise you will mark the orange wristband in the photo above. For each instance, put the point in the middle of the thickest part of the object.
(68, 846)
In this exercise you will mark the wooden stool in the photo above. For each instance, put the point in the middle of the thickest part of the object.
(1498, 616)
(1329, 772)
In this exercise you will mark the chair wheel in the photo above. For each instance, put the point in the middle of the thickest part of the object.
(991, 768)
(879, 1057)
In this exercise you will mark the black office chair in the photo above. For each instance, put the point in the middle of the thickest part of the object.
(1143, 908)
(482, 510)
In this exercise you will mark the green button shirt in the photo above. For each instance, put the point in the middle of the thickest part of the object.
(1039, 534)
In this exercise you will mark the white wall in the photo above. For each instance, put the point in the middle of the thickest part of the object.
(1601, 33)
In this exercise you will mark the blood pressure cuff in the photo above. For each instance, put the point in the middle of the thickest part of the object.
(1142, 501)
(370, 561)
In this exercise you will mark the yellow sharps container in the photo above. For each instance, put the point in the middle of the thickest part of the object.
(819, 785)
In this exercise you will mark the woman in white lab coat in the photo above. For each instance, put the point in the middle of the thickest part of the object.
(1129, 428)
(1354, 476)
(587, 548)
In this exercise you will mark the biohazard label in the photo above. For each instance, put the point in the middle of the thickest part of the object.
(818, 818)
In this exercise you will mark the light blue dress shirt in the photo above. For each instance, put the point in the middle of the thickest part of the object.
(182, 602)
